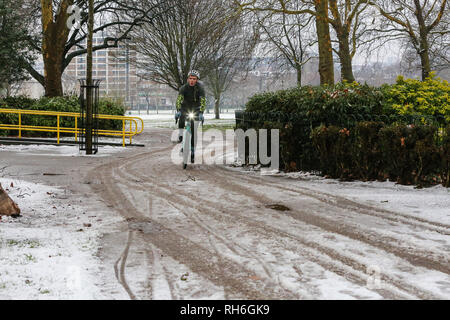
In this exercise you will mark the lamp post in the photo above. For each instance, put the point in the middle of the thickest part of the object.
(89, 93)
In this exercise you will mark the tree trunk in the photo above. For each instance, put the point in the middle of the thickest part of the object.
(298, 68)
(52, 74)
(7, 206)
(55, 34)
(424, 51)
(326, 66)
(217, 107)
(345, 57)
(425, 63)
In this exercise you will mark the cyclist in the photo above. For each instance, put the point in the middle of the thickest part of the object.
(191, 100)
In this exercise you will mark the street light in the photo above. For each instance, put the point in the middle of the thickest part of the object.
(89, 117)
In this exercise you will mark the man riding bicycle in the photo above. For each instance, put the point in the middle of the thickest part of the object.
(191, 102)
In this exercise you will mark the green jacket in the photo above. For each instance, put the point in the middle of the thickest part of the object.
(191, 98)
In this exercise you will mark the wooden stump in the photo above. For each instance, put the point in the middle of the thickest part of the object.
(7, 206)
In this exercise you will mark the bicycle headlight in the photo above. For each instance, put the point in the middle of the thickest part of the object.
(191, 115)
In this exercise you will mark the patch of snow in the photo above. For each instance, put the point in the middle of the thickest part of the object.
(50, 251)
(428, 203)
(61, 150)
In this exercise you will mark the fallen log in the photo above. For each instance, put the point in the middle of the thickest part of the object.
(7, 206)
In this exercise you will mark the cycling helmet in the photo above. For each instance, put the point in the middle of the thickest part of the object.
(194, 73)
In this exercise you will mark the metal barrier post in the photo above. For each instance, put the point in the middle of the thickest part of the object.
(20, 125)
(76, 129)
(123, 132)
(131, 129)
(57, 130)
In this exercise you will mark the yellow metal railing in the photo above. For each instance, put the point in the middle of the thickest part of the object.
(130, 127)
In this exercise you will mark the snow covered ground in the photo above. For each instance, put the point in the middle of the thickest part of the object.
(49, 252)
(428, 203)
(58, 151)
(431, 203)
(166, 119)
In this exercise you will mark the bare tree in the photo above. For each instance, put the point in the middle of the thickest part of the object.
(182, 38)
(64, 32)
(318, 9)
(424, 23)
(288, 38)
(231, 55)
(349, 19)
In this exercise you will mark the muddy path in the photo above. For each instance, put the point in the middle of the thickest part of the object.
(209, 232)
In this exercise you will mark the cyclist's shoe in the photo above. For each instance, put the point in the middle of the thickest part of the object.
(180, 139)
(184, 165)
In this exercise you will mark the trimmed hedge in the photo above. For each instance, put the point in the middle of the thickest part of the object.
(296, 112)
(343, 103)
(59, 104)
(374, 151)
(353, 131)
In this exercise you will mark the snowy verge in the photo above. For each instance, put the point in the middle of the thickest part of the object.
(431, 203)
(61, 150)
(50, 252)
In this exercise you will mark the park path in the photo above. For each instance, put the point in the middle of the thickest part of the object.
(210, 232)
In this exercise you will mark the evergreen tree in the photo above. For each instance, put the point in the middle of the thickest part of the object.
(15, 48)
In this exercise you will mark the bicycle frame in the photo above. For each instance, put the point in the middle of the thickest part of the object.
(189, 139)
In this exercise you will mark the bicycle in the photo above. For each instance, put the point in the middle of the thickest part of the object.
(192, 120)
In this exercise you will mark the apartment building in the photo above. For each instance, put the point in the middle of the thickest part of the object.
(113, 66)
(120, 79)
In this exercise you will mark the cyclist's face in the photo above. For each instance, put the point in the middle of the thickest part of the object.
(192, 80)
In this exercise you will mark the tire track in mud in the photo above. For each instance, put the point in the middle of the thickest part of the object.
(219, 260)
(194, 256)
(360, 269)
(120, 272)
(418, 258)
(189, 212)
(357, 276)
(207, 228)
(345, 203)
(330, 199)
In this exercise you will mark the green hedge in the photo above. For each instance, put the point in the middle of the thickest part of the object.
(296, 112)
(357, 125)
(406, 154)
(59, 104)
(343, 103)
